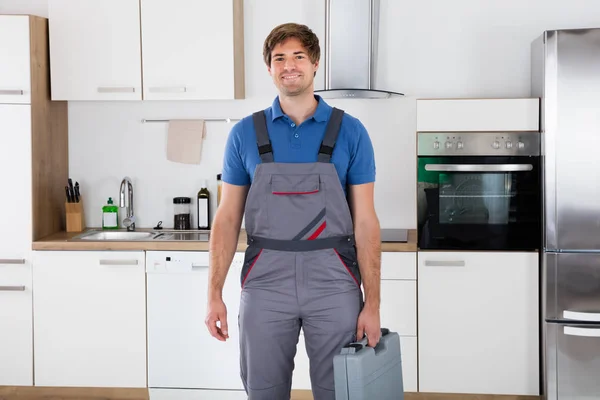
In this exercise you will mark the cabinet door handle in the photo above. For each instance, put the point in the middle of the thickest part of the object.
(198, 266)
(179, 89)
(105, 89)
(435, 263)
(12, 92)
(12, 261)
(118, 262)
(12, 288)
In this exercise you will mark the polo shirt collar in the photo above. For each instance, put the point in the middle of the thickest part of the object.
(321, 114)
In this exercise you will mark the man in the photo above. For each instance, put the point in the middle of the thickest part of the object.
(309, 248)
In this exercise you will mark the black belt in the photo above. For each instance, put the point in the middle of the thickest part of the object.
(301, 245)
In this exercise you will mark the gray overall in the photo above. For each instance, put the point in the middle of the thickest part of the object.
(300, 270)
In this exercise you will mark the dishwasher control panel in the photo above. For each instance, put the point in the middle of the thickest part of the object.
(176, 261)
(184, 261)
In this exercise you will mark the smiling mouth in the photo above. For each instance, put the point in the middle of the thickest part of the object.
(290, 77)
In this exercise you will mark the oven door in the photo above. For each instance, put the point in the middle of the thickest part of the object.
(479, 203)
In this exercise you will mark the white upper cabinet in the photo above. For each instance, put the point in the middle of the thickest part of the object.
(479, 115)
(180, 49)
(15, 78)
(192, 49)
(95, 49)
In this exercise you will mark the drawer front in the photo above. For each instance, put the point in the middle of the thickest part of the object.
(400, 265)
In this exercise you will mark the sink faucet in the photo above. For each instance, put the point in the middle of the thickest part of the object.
(126, 200)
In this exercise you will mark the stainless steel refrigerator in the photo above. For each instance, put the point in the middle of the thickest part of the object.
(566, 76)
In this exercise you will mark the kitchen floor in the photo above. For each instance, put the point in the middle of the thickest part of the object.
(42, 393)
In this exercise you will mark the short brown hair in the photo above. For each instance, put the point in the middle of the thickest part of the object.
(282, 32)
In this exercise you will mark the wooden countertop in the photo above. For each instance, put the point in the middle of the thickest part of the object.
(65, 241)
(410, 245)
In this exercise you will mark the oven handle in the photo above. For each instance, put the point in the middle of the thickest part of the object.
(479, 167)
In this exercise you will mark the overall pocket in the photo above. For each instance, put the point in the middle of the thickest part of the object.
(250, 258)
(349, 260)
(294, 202)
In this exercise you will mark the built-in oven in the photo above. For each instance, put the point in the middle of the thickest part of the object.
(479, 191)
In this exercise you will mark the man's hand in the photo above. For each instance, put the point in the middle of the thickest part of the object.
(369, 323)
(217, 312)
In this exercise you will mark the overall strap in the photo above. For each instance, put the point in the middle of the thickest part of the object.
(331, 134)
(262, 137)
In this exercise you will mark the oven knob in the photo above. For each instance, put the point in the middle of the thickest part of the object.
(459, 145)
(436, 145)
(521, 145)
(448, 145)
(496, 144)
(509, 145)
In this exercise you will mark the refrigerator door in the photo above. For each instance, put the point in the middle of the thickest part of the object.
(573, 362)
(570, 124)
(572, 287)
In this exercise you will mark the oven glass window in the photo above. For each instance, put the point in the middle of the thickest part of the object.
(479, 203)
(476, 198)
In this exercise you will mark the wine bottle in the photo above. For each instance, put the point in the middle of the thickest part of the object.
(204, 207)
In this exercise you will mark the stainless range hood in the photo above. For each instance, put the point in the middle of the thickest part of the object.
(351, 38)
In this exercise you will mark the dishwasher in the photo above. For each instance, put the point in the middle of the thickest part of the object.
(184, 361)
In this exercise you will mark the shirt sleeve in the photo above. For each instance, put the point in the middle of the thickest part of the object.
(234, 171)
(362, 160)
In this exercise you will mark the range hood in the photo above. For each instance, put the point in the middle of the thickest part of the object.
(351, 38)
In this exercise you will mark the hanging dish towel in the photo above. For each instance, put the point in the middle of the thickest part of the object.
(184, 141)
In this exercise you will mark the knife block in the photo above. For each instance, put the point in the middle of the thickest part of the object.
(75, 217)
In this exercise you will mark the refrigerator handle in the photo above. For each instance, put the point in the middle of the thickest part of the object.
(581, 316)
(585, 332)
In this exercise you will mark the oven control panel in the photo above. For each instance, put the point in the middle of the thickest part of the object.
(478, 143)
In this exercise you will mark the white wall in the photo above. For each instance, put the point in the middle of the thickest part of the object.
(428, 48)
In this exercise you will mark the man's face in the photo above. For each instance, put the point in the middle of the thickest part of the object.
(291, 68)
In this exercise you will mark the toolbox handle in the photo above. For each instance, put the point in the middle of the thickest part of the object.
(359, 345)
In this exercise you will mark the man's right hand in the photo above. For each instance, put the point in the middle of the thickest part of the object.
(217, 312)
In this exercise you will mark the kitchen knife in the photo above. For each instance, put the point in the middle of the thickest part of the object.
(77, 194)
(71, 190)
(68, 194)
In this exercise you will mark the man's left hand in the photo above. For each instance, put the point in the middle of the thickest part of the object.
(369, 323)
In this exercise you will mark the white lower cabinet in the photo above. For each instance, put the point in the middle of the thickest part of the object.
(398, 312)
(478, 322)
(399, 308)
(90, 324)
(89, 318)
(16, 345)
(301, 376)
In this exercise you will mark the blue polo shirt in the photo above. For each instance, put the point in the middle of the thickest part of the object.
(353, 154)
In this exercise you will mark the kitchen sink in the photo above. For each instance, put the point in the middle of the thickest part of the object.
(176, 236)
(116, 235)
(123, 235)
